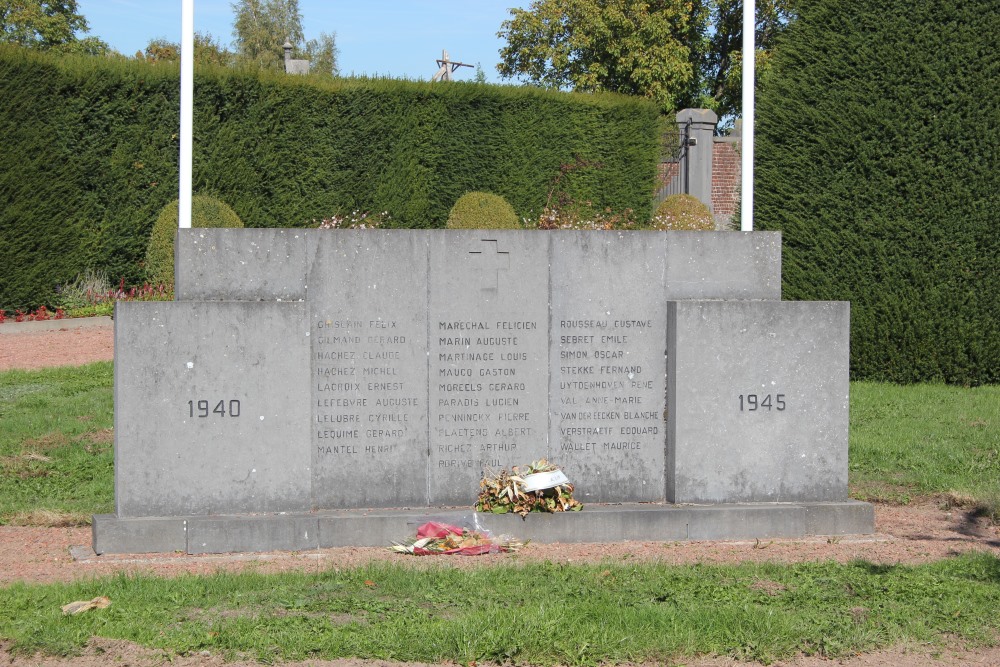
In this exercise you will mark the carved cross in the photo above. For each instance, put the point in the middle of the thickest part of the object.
(491, 261)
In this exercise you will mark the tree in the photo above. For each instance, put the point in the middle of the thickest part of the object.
(721, 66)
(207, 51)
(48, 25)
(322, 54)
(679, 52)
(160, 50)
(261, 28)
(637, 47)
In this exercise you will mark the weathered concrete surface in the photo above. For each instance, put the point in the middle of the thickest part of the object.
(488, 345)
(243, 264)
(596, 523)
(369, 371)
(211, 408)
(758, 398)
(379, 369)
(607, 368)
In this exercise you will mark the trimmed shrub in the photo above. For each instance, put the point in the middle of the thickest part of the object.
(482, 210)
(877, 158)
(682, 212)
(205, 212)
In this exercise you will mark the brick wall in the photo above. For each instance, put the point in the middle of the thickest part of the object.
(725, 177)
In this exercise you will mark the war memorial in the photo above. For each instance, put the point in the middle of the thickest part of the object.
(318, 388)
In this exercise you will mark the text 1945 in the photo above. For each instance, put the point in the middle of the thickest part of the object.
(753, 402)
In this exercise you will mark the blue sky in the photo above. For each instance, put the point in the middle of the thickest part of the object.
(399, 38)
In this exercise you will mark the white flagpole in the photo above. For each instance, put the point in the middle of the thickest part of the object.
(187, 111)
(749, 57)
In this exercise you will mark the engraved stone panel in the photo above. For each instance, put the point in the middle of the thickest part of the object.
(368, 297)
(306, 378)
(608, 370)
(211, 413)
(488, 344)
(758, 401)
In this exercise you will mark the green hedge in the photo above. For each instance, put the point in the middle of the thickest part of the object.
(878, 157)
(90, 155)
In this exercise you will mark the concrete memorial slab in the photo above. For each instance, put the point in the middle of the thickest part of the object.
(254, 265)
(763, 389)
(308, 385)
(488, 345)
(606, 379)
(369, 381)
(210, 417)
(722, 265)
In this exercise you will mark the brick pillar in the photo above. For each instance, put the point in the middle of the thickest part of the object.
(699, 157)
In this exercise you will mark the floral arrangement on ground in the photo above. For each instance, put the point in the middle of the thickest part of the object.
(442, 539)
(505, 491)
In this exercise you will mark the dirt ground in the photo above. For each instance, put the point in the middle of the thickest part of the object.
(917, 533)
(32, 345)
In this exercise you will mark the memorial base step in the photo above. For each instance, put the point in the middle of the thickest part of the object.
(644, 522)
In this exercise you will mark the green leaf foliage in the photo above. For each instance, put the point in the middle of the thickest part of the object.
(47, 25)
(205, 212)
(635, 47)
(261, 28)
(878, 159)
(91, 146)
(681, 54)
(482, 210)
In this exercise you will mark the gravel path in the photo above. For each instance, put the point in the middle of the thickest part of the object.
(32, 345)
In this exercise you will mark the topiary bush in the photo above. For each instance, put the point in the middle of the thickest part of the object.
(877, 159)
(482, 210)
(682, 212)
(206, 211)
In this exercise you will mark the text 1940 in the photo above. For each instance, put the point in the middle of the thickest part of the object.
(223, 408)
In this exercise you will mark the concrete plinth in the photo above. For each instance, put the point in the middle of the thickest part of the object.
(644, 522)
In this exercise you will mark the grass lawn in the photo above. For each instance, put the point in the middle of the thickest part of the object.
(525, 613)
(56, 444)
(921, 440)
(906, 442)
